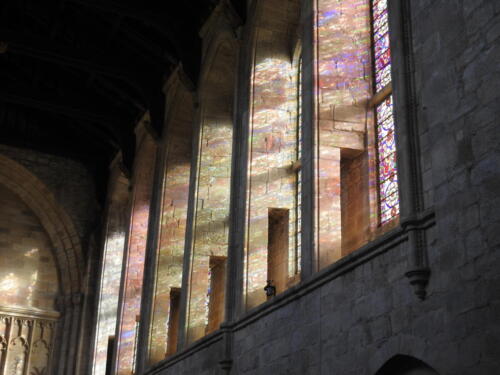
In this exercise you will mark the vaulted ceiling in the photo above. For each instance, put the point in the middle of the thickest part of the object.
(76, 75)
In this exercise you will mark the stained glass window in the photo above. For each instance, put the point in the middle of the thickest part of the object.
(298, 206)
(384, 115)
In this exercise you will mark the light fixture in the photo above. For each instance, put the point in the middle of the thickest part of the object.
(270, 289)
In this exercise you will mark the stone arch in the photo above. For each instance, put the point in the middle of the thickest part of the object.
(405, 365)
(57, 223)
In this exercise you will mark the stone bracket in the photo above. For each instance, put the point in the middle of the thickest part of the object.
(419, 272)
(419, 278)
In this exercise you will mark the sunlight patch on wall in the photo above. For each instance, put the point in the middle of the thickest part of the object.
(272, 180)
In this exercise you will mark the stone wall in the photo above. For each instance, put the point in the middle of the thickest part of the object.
(61, 194)
(28, 274)
(359, 312)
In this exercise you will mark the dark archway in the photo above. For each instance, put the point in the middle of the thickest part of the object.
(406, 365)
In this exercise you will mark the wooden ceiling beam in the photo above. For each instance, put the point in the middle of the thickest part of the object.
(138, 13)
(89, 61)
(110, 130)
(163, 23)
(15, 93)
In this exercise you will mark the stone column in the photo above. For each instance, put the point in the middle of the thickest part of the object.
(76, 320)
(66, 343)
(235, 269)
(413, 217)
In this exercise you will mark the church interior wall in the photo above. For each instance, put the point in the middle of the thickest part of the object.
(249, 235)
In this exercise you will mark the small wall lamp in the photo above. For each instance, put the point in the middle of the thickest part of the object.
(270, 289)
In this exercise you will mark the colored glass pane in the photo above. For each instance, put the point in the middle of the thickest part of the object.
(299, 174)
(386, 145)
(381, 44)
(387, 168)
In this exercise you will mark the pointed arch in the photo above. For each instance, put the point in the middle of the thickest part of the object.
(211, 230)
(209, 248)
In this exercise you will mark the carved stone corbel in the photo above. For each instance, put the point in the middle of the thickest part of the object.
(226, 363)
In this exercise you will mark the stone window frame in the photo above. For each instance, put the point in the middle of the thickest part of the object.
(378, 97)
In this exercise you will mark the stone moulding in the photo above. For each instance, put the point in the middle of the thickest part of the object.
(419, 273)
(29, 313)
(199, 345)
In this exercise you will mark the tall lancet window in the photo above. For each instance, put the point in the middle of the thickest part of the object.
(298, 168)
(384, 115)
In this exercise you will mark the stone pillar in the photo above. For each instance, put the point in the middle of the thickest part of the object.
(235, 265)
(76, 320)
(308, 255)
(62, 342)
(67, 338)
(413, 215)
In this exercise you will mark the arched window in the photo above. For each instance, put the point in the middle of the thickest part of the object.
(207, 287)
(273, 195)
(384, 114)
